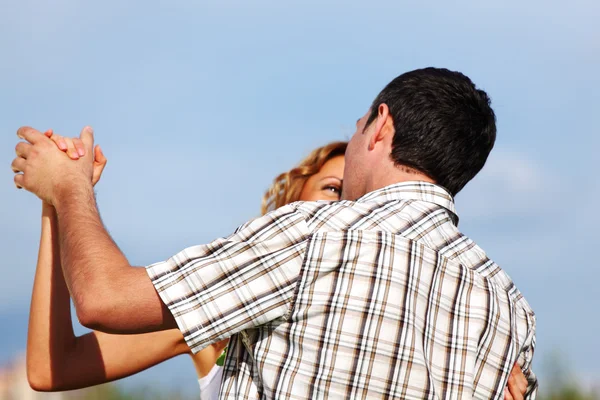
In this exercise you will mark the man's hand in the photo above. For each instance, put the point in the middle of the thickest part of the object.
(75, 149)
(44, 170)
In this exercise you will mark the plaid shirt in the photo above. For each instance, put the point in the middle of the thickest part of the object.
(378, 298)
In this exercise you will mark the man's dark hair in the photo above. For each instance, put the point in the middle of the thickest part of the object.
(444, 126)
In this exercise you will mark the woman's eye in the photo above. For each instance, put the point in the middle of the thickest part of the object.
(333, 189)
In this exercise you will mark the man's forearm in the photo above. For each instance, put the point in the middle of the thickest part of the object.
(89, 256)
(109, 295)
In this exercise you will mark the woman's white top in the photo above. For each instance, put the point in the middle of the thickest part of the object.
(210, 385)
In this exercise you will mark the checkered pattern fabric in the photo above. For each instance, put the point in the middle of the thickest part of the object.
(382, 297)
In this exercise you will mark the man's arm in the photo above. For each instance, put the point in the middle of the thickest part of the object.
(108, 293)
(57, 359)
(213, 290)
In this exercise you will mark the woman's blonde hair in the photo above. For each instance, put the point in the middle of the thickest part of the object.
(286, 187)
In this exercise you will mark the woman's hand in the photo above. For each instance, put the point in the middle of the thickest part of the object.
(74, 148)
(517, 384)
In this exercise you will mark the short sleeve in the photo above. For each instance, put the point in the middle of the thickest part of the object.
(235, 283)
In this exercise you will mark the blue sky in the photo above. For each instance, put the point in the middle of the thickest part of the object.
(198, 107)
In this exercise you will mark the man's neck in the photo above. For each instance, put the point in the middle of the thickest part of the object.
(398, 175)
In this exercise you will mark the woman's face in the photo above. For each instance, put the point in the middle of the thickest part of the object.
(325, 184)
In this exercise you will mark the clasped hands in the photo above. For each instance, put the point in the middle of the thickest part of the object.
(45, 164)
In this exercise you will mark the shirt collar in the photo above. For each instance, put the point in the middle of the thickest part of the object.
(415, 190)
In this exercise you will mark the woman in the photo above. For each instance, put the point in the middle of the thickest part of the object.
(59, 360)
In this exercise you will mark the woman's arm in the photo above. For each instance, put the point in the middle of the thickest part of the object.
(56, 358)
(205, 359)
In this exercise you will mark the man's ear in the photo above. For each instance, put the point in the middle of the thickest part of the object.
(383, 126)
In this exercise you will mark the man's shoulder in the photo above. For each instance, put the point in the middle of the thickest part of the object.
(465, 251)
(347, 214)
(422, 222)
(283, 219)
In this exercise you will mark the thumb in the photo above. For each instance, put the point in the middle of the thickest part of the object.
(99, 156)
(99, 164)
(87, 137)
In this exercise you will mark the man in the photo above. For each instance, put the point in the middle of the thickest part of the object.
(378, 295)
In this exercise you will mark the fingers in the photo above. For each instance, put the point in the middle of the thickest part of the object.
(18, 165)
(74, 147)
(520, 378)
(31, 135)
(512, 389)
(59, 141)
(99, 164)
(515, 388)
(87, 137)
(23, 149)
(79, 147)
(19, 181)
(99, 156)
(71, 148)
